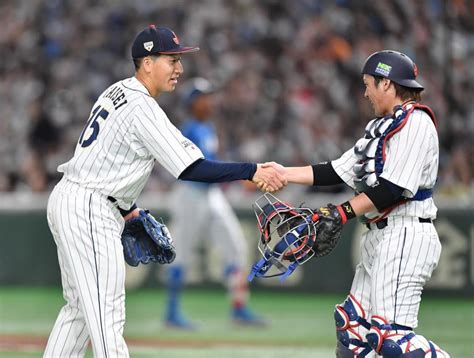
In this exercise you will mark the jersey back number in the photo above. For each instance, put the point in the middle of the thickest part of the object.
(92, 126)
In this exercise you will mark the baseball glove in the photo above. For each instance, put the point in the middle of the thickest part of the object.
(146, 240)
(328, 230)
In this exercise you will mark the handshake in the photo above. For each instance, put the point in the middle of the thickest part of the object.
(270, 177)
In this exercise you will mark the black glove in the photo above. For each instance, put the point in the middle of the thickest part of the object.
(328, 229)
(146, 240)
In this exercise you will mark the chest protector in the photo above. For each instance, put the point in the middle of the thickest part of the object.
(370, 151)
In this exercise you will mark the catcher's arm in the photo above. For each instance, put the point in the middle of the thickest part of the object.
(331, 218)
(319, 174)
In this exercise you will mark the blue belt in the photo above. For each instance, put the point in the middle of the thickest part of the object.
(422, 194)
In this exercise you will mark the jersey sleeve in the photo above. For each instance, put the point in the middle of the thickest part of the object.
(163, 140)
(408, 152)
(344, 167)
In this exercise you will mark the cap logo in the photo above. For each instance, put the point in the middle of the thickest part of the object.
(383, 69)
(148, 45)
(415, 69)
(175, 38)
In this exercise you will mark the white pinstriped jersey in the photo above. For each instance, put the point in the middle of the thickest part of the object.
(411, 163)
(126, 132)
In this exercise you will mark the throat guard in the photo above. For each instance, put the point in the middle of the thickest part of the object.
(287, 237)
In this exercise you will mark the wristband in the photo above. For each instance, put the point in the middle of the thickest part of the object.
(346, 211)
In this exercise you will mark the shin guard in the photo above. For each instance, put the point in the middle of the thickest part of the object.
(350, 324)
(397, 341)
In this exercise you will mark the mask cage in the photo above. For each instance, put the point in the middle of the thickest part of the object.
(287, 235)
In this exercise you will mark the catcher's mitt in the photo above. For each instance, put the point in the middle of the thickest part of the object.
(146, 240)
(328, 230)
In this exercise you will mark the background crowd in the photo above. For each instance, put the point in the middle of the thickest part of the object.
(288, 74)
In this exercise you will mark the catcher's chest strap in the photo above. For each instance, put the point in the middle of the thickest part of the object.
(122, 211)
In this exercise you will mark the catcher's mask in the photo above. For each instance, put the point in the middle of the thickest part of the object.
(287, 237)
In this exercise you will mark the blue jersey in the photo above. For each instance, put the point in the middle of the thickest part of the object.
(203, 134)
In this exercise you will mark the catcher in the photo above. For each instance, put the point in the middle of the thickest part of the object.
(393, 170)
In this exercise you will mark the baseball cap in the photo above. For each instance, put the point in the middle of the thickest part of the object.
(158, 40)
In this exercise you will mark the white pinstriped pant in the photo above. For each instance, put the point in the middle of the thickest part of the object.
(396, 262)
(86, 228)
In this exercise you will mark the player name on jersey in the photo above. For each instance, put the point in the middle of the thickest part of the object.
(117, 97)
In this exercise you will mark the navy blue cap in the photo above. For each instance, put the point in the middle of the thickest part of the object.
(158, 40)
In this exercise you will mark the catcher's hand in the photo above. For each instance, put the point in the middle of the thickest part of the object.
(146, 240)
(328, 230)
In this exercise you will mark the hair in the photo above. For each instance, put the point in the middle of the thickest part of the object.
(137, 62)
(405, 93)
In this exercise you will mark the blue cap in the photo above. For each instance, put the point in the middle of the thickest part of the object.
(158, 40)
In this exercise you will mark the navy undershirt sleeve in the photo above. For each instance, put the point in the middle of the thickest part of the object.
(385, 194)
(324, 174)
(212, 171)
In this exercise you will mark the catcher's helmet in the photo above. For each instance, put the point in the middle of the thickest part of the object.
(288, 235)
(395, 66)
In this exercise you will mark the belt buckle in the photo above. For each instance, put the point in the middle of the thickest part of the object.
(381, 224)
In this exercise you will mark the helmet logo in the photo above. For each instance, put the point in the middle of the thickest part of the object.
(383, 69)
(415, 69)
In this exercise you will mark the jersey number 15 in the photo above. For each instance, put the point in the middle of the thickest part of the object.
(92, 125)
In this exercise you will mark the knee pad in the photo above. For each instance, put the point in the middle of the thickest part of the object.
(349, 316)
(397, 341)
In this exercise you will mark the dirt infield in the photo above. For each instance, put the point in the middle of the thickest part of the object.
(21, 343)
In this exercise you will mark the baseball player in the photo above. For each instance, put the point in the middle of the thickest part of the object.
(393, 169)
(205, 206)
(125, 134)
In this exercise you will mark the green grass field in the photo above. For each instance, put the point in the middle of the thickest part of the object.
(300, 325)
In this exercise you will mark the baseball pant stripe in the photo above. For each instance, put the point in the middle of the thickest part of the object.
(101, 326)
(409, 266)
(398, 275)
(81, 276)
(104, 219)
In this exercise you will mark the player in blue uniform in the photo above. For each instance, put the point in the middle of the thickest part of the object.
(200, 212)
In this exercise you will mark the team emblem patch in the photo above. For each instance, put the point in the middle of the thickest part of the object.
(383, 69)
(187, 143)
(175, 38)
(148, 45)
